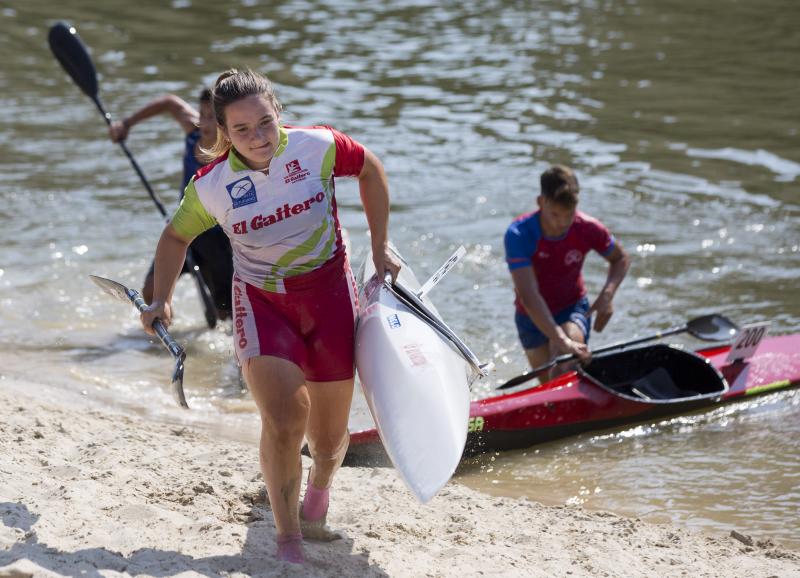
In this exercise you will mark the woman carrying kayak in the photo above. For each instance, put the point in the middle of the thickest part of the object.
(211, 250)
(271, 189)
(545, 252)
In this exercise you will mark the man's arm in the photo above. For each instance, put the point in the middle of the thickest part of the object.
(183, 113)
(528, 291)
(618, 264)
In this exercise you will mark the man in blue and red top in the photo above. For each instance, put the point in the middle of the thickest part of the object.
(545, 251)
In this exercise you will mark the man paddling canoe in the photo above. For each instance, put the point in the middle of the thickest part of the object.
(545, 251)
(211, 250)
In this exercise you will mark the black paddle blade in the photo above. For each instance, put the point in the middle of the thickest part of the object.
(528, 375)
(712, 328)
(73, 56)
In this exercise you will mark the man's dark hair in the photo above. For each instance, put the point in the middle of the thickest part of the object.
(560, 185)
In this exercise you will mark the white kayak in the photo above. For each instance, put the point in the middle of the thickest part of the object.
(415, 375)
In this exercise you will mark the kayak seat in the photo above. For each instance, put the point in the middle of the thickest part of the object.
(658, 384)
(657, 372)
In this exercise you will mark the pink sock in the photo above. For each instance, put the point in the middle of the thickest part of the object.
(315, 502)
(290, 548)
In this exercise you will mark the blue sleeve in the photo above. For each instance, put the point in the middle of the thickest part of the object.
(611, 244)
(521, 242)
(600, 237)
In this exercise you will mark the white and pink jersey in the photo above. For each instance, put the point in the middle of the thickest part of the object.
(282, 223)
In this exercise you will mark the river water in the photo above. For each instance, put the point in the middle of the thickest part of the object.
(679, 118)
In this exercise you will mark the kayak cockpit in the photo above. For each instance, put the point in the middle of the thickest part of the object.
(657, 374)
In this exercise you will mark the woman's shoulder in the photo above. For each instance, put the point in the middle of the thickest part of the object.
(216, 164)
(207, 172)
(310, 132)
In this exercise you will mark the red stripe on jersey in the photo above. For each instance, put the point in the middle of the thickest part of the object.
(349, 152)
(202, 171)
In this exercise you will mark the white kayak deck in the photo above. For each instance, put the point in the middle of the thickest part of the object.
(415, 381)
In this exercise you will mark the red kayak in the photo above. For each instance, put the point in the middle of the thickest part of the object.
(615, 389)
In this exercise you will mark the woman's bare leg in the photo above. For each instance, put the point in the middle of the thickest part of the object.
(279, 390)
(328, 438)
(327, 428)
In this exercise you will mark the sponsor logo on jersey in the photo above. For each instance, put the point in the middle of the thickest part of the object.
(394, 321)
(282, 213)
(573, 257)
(295, 173)
(240, 312)
(293, 167)
(242, 192)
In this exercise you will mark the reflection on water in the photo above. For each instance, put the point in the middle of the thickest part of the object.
(679, 119)
(713, 471)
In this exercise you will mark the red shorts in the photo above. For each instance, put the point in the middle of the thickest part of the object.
(311, 325)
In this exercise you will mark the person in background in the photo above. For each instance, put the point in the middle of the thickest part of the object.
(545, 252)
(271, 189)
(211, 250)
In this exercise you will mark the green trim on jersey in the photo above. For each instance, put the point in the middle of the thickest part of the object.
(313, 264)
(326, 170)
(191, 218)
(270, 283)
(235, 161)
(283, 142)
(302, 250)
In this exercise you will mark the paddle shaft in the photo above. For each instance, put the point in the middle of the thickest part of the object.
(124, 294)
(74, 58)
(136, 167)
(537, 371)
(171, 345)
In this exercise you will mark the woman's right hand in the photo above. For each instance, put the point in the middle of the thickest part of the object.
(118, 130)
(156, 310)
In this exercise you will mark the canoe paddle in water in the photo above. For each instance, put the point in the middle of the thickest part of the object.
(708, 328)
(122, 293)
(74, 58)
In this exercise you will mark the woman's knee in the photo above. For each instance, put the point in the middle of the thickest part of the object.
(329, 447)
(287, 422)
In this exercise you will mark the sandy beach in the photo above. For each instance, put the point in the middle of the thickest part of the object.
(91, 491)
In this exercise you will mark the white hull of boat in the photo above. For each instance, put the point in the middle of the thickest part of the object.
(416, 384)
